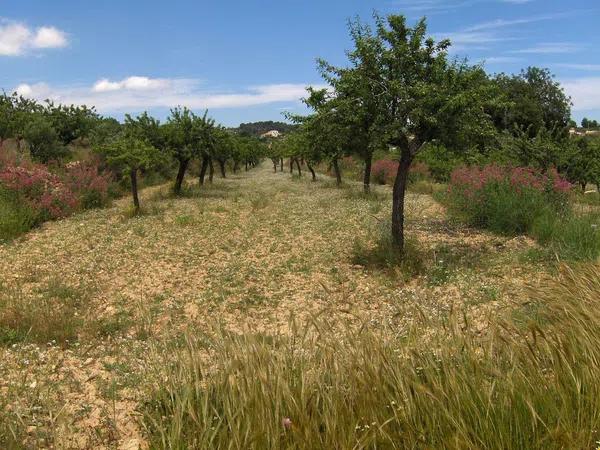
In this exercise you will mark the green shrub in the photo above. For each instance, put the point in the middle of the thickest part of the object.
(15, 217)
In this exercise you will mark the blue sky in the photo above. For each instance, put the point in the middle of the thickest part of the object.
(250, 60)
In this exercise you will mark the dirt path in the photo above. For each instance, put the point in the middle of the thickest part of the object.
(251, 251)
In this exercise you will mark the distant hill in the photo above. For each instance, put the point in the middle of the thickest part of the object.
(258, 128)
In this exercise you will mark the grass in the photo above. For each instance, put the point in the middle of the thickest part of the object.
(364, 387)
(570, 237)
(55, 313)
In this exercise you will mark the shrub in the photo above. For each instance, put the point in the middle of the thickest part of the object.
(505, 199)
(88, 183)
(426, 385)
(384, 171)
(15, 218)
(42, 191)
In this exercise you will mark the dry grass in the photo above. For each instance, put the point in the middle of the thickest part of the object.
(248, 252)
(429, 384)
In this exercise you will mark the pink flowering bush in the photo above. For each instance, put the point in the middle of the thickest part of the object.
(384, 171)
(506, 199)
(42, 191)
(88, 183)
(31, 193)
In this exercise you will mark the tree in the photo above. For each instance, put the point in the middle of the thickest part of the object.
(132, 154)
(204, 143)
(355, 101)
(534, 101)
(589, 124)
(44, 142)
(584, 161)
(418, 95)
(328, 131)
(70, 122)
(179, 135)
(223, 144)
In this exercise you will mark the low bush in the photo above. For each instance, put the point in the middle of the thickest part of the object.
(523, 200)
(429, 384)
(88, 183)
(31, 193)
(503, 199)
(384, 171)
(42, 191)
(15, 218)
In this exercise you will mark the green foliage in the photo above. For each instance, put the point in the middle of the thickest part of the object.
(583, 165)
(440, 161)
(570, 237)
(70, 122)
(43, 139)
(535, 101)
(131, 153)
(589, 124)
(255, 129)
(15, 217)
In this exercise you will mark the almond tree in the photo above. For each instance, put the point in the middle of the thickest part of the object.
(131, 154)
(417, 94)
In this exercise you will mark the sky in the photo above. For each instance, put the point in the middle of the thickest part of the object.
(250, 60)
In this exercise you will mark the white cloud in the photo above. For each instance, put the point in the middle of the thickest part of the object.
(13, 39)
(551, 47)
(141, 93)
(49, 37)
(501, 59)
(504, 23)
(586, 67)
(132, 83)
(585, 93)
(24, 89)
(17, 39)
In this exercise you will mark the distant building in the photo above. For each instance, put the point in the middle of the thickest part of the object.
(271, 134)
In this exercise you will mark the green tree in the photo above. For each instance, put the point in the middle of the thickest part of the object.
(584, 161)
(179, 137)
(131, 154)
(420, 96)
(70, 122)
(44, 142)
(535, 100)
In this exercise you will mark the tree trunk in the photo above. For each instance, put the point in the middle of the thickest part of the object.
(291, 165)
(312, 171)
(274, 166)
(183, 164)
(134, 190)
(236, 166)
(338, 174)
(246, 166)
(367, 176)
(281, 164)
(398, 199)
(298, 166)
(211, 170)
(582, 184)
(203, 168)
(222, 166)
